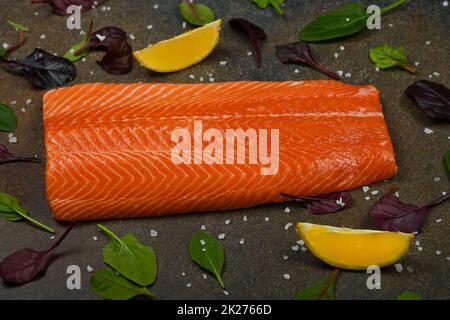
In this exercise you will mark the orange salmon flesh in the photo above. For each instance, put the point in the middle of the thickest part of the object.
(110, 147)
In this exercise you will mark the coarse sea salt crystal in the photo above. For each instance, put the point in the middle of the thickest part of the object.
(417, 243)
(438, 220)
(445, 3)
(205, 276)
(43, 36)
(153, 233)
(416, 63)
(223, 63)
(301, 242)
(201, 79)
(397, 194)
(150, 26)
(94, 238)
(225, 292)
(428, 131)
(188, 285)
(191, 76)
(377, 69)
(132, 36)
(202, 242)
(295, 247)
(348, 75)
(410, 269)
(23, 109)
(288, 225)
(437, 179)
(296, 71)
(286, 276)
(203, 227)
(287, 210)
(438, 252)
(336, 55)
(398, 267)
(89, 269)
(184, 25)
(419, 248)
(12, 140)
(340, 73)
(52, 237)
(365, 189)
(304, 249)
(428, 42)
(221, 236)
(156, 6)
(227, 222)
(242, 241)
(285, 257)
(374, 192)
(183, 274)
(437, 74)
(367, 198)
(342, 48)
(266, 219)
(244, 218)
(249, 53)
(211, 79)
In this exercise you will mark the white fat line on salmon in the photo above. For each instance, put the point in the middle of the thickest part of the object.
(190, 149)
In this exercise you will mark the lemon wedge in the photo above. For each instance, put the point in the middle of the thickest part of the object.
(181, 51)
(354, 249)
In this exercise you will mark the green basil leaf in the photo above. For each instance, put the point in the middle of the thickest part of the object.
(11, 210)
(322, 290)
(447, 160)
(8, 120)
(196, 14)
(386, 57)
(109, 285)
(340, 22)
(70, 54)
(208, 253)
(274, 3)
(18, 26)
(130, 258)
(409, 295)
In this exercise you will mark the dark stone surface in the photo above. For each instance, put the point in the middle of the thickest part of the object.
(254, 270)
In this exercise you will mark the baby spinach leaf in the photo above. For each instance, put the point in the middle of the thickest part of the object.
(130, 258)
(342, 21)
(391, 214)
(10, 209)
(322, 290)
(274, 3)
(6, 156)
(409, 295)
(432, 97)
(253, 32)
(109, 285)
(447, 160)
(8, 119)
(207, 252)
(299, 53)
(18, 26)
(323, 204)
(71, 53)
(42, 69)
(195, 13)
(386, 57)
(60, 6)
(26, 265)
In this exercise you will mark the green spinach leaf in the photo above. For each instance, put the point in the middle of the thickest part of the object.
(386, 57)
(208, 253)
(130, 258)
(274, 3)
(8, 120)
(409, 295)
(109, 285)
(195, 13)
(10, 209)
(18, 26)
(342, 21)
(322, 290)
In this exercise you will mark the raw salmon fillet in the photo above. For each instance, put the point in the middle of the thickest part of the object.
(109, 146)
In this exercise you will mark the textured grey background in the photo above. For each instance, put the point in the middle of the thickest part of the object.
(254, 270)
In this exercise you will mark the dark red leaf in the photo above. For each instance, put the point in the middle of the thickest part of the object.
(391, 214)
(6, 156)
(112, 40)
(26, 265)
(323, 204)
(299, 53)
(254, 33)
(60, 6)
(432, 97)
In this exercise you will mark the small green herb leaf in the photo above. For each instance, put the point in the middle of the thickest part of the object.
(274, 3)
(8, 120)
(207, 252)
(10, 209)
(18, 26)
(130, 258)
(322, 290)
(71, 53)
(447, 160)
(195, 13)
(109, 285)
(409, 295)
(386, 57)
(2, 52)
(340, 22)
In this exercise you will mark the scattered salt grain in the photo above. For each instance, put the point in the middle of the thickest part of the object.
(437, 74)
(295, 247)
(242, 241)
(52, 237)
(188, 285)
(201, 79)
(183, 274)
(287, 210)
(184, 25)
(397, 194)
(223, 63)
(100, 37)
(287, 276)
(438, 220)
(36, 13)
(10, 134)
(23, 109)
(5, 46)
(191, 76)
(340, 73)
(430, 76)
(89, 269)
(347, 19)
(374, 192)
(83, 59)
(377, 69)
(149, 27)
(132, 37)
(249, 53)
(348, 75)
(156, 6)
(288, 225)
(245, 218)
(448, 258)
(202, 242)
(82, 33)
(417, 243)
(227, 222)
(416, 63)
(221, 236)
(211, 79)
(43, 36)
(445, 3)
(437, 179)
(438, 252)
(391, 25)
(304, 249)
(340, 202)
(204, 276)
(415, 233)
(28, 101)
(91, 73)
(94, 238)
(203, 227)
(266, 219)
(365, 189)
(12, 140)
(225, 292)
(410, 269)
(296, 71)
(153, 233)
(428, 131)
(301, 242)
(428, 42)
(367, 198)
(285, 257)
(336, 55)
(13, 102)
(398, 267)
(342, 48)
(419, 248)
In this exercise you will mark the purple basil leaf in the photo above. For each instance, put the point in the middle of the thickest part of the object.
(6, 156)
(60, 6)
(26, 265)
(391, 214)
(42, 69)
(432, 97)
(323, 204)
(254, 33)
(299, 53)
(112, 40)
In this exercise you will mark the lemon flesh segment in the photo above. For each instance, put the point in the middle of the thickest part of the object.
(181, 51)
(354, 249)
